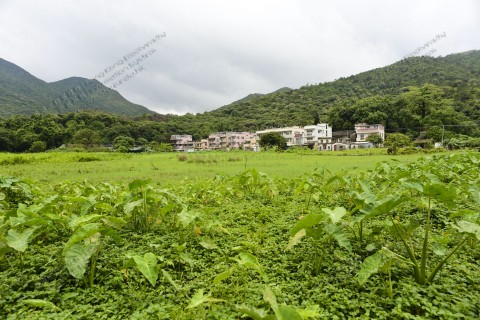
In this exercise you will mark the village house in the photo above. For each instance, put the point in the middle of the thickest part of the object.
(318, 136)
(182, 142)
(202, 145)
(253, 144)
(228, 140)
(342, 140)
(293, 135)
(354, 139)
(364, 130)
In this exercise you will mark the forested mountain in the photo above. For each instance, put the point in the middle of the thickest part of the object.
(413, 95)
(22, 93)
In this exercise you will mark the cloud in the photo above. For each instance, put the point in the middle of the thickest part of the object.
(216, 52)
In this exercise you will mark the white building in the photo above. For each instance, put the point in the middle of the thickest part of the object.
(319, 135)
(349, 139)
(293, 135)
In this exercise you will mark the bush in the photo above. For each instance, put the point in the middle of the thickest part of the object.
(301, 150)
(122, 149)
(161, 147)
(202, 159)
(408, 150)
(123, 141)
(182, 157)
(15, 160)
(88, 159)
(38, 146)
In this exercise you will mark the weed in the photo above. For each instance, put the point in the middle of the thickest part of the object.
(88, 159)
(16, 160)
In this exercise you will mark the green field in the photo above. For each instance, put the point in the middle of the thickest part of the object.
(166, 168)
(232, 235)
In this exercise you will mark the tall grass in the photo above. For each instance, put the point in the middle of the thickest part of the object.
(166, 168)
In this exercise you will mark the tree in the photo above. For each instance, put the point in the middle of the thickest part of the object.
(24, 139)
(6, 140)
(272, 139)
(142, 142)
(86, 137)
(161, 147)
(316, 117)
(397, 140)
(38, 146)
(376, 139)
(123, 143)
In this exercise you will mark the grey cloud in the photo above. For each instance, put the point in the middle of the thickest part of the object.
(216, 52)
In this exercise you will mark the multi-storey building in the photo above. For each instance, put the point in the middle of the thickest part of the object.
(182, 142)
(363, 130)
(319, 136)
(253, 144)
(342, 140)
(349, 139)
(228, 140)
(293, 135)
(201, 145)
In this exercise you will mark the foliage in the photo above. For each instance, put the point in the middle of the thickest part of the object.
(281, 312)
(214, 248)
(272, 139)
(394, 141)
(376, 139)
(429, 183)
(462, 141)
(146, 206)
(320, 227)
(123, 142)
(409, 96)
(38, 146)
(26, 94)
(160, 147)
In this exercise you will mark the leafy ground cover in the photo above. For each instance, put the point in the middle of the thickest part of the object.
(399, 241)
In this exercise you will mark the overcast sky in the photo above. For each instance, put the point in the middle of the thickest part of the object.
(216, 52)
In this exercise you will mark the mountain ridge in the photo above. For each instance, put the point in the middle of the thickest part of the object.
(426, 91)
(23, 93)
(456, 77)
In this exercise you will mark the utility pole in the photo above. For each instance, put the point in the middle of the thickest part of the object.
(443, 133)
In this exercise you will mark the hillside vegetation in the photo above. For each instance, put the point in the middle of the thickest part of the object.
(428, 90)
(413, 95)
(22, 93)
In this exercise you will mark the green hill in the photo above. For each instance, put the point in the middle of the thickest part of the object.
(411, 96)
(391, 92)
(22, 93)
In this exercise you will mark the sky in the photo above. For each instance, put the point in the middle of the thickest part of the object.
(201, 55)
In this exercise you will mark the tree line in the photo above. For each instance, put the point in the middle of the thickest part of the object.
(437, 96)
(429, 109)
(86, 129)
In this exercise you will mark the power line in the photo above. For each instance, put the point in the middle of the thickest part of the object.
(438, 125)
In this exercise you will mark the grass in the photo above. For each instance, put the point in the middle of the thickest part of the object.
(173, 168)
